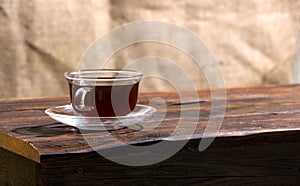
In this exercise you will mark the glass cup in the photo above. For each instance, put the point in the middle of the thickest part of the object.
(103, 93)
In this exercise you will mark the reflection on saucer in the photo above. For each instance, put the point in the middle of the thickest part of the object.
(65, 114)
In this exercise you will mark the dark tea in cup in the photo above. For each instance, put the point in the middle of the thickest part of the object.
(103, 93)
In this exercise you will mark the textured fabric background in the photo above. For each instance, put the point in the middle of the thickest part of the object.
(254, 41)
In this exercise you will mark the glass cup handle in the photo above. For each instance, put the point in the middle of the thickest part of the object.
(80, 99)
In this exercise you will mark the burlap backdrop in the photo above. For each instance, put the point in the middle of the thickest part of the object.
(254, 41)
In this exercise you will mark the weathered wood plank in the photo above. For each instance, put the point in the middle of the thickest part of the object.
(17, 170)
(258, 143)
(253, 163)
(249, 111)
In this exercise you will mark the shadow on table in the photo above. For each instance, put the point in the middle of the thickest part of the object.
(49, 130)
(57, 129)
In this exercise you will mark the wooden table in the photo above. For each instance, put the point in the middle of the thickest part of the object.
(258, 143)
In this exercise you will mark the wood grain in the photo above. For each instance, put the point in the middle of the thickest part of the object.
(249, 111)
(258, 140)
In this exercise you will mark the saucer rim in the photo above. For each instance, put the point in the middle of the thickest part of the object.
(128, 116)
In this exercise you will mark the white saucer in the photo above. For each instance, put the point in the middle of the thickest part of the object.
(65, 114)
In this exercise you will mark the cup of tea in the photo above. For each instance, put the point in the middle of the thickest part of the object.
(103, 92)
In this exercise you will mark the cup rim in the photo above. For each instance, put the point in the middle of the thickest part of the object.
(74, 75)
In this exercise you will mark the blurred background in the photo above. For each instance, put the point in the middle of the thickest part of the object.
(255, 42)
